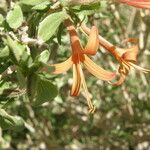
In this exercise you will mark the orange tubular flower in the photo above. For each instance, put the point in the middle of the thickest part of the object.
(126, 57)
(79, 57)
(145, 4)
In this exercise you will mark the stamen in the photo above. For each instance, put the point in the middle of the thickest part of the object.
(139, 68)
(126, 65)
(90, 105)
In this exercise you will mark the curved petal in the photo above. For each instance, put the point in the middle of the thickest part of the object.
(131, 53)
(98, 71)
(123, 70)
(93, 42)
(145, 4)
(126, 54)
(62, 67)
(121, 80)
(102, 42)
(75, 90)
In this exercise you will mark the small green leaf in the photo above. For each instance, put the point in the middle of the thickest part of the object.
(78, 2)
(15, 17)
(46, 91)
(21, 78)
(7, 88)
(4, 52)
(4, 64)
(40, 61)
(25, 61)
(32, 2)
(16, 49)
(19, 54)
(87, 9)
(43, 57)
(49, 25)
(41, 6)
(10, 122)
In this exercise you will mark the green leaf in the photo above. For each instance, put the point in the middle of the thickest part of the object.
(41, 6)
(40, 61)
(32, 2)
(4, 64)
(25, 61)
(78, 2)
(46, 91)
(87, 9)
(49, 25)
(10, 122)
(21, 78)
(7, 88)
(19, 54)
(4, 52)
(43, 57)
(15, 17)
(91, 7)
(16, 49)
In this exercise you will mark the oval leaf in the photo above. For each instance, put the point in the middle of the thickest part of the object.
(15, 17)
(49, 25)
(46, 91)
(43, 57)
(41, 6)
(17, 50)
